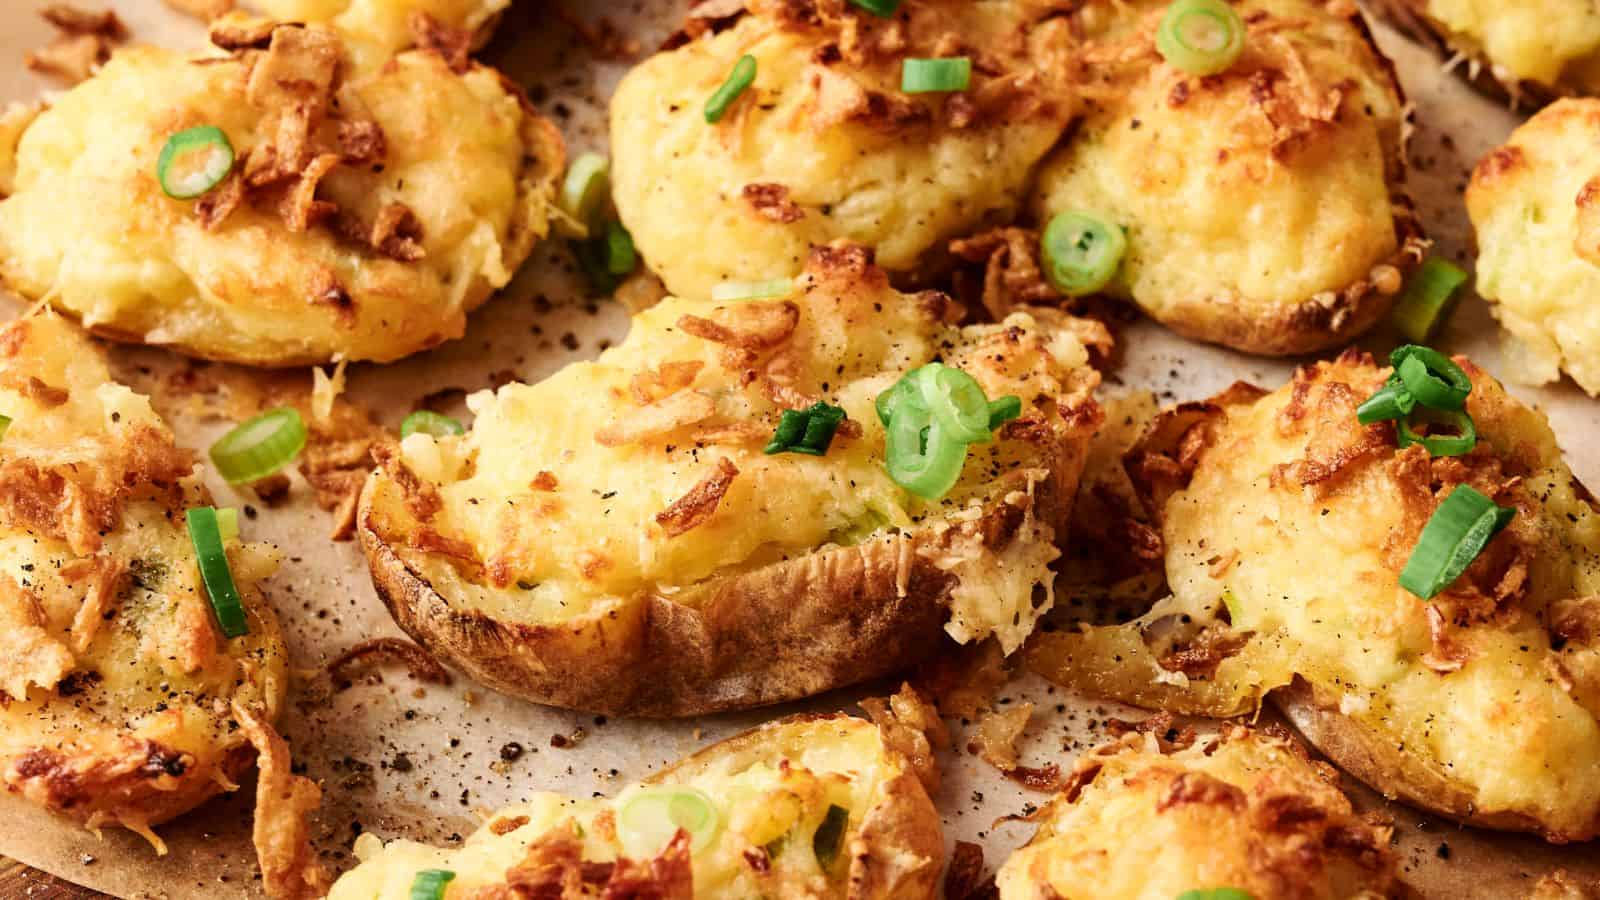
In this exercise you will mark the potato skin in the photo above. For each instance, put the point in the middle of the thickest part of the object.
(765, 601)
(135, 726)
(895, 845)
(1141, 820)
(1264, 206)
(88, 224)
(1534, 204)
(892, 171)
(1529, 52)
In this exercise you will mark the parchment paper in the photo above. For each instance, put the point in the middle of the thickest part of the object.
(398, 758)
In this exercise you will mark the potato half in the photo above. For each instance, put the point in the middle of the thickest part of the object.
(364, 217)
(1263, 206)
(615, 539)
(1529, 50)
(1535, 204)
(810, 806)
(1248, 811)
(378, 29)
(825, 145)
(119, 687)
(1286, 524)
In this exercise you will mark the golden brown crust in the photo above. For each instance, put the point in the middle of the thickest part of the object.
(1472, 66)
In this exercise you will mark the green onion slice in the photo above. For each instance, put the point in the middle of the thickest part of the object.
(1392, 401)
(809, 431)
(206, 536)
(920, 457)
(742, 76)
(1081, 252)
(583, 192)
(829, 837)
(429, 422)
(1004, 410)
(194, 161)
(890, 399)
(228, 523)
(1462, 441)
(884, 8)
(1454, 536)
(260, 446)
(752, 290)
(430, 884)
(1201, 37)
(1426, 300)
(620, 256)
(1433, 378)
(1222, 893)
(648, 819)
(5, 422)
(956, 400)
(935, 76)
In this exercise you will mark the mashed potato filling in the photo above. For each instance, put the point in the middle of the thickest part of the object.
(565, 490)
(1539, 254)
(770, 803)
(377, 29)
(1551, 42)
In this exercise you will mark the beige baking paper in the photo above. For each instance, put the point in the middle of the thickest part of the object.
(398, 758)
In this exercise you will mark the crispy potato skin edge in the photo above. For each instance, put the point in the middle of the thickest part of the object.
(784, 631)
(1407, 16)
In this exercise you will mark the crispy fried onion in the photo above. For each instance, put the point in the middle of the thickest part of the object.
(454, 45)
(32, 656)
(377, 651)
(554, 867)
(694, 508)
(967, 879)
(1163, 459)
(1011, 274)
(963, 682)
(911, 727)
(83, 42)
(102, 577)
(752, 327)
(652, 385)
(1325, 410)
(994, 740)
(1574, 625)
(657, 419)
(204, 10)
(771, 202)
(284, 804)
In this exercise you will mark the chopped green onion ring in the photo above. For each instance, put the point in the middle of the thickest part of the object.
(1425, 303)
(194, 161)
(1004, 410)
(1457, 532)
(1431, 377)
(1221, 893)
(583, 192)
(620, 256)
(752, 290)
(649, 818)
(1465, 438)
(829, 836)
(956, 401)
(429, 422)
(809, 431)
(890, 399)
(1201, 37)
(935, 76)
(5, 422)
(920, 457)
(1081, 252)
(429, 884)
(884, 8)
(742, 76)
(1392, 401)
(228, 523)
(260, 446)
(206, 536)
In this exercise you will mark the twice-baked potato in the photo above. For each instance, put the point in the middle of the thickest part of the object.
(1247, 810)
(1535, 205)
(125, 704)
(362, 218)
(824, 145)
(809, 806)
(615, 539)
(377, 29)
(1530, 50)
(1287, 525)
(1263, 206)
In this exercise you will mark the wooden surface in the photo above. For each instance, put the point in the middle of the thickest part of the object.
(18, 882)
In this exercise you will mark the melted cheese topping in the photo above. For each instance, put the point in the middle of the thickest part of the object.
(376, 29)
(88, 226)
(567, 524)
(1523, 200)
(1310, 579)
(901, 189)
(771, 795)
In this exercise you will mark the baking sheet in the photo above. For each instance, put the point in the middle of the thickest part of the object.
(400, 758)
